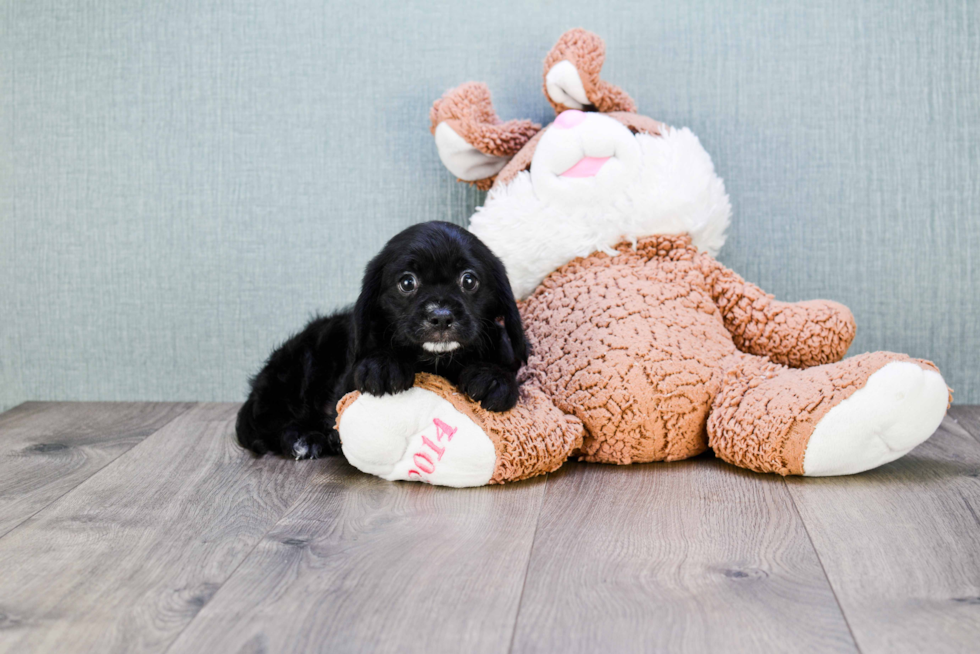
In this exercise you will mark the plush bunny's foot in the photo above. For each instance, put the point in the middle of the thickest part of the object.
(900, 406)
(434, 434)
(416, 436)
(836, 419)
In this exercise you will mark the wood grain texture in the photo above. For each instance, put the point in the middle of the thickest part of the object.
(178, 541)
(124, 561)
(967, 417)
(694, 556)
(365, 565)
(901, 545)
(46, 449)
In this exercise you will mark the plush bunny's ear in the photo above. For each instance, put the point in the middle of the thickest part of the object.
(571, 76)
(473, 143)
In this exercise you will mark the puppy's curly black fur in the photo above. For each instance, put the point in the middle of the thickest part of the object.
(435, 299)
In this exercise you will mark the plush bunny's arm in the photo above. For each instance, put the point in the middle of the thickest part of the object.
(798, 334)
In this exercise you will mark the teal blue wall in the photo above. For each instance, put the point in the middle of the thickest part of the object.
(184, 182)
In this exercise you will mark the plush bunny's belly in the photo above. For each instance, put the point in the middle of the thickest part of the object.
(634, 347)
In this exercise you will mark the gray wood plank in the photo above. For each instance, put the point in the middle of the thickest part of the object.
(123, 562)
(365, 565)
(695, 556)
(967, 417)
(48, 448)
(901, 546)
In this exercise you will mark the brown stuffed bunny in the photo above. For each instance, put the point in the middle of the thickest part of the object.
(644, 347)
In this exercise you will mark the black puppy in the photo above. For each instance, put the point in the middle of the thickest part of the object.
(435, 299)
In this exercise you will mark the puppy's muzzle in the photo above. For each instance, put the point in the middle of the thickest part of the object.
(440, 329)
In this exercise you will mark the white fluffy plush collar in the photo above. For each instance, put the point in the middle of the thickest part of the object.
(676, 190)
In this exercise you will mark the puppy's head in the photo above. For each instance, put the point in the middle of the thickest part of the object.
(436, 289)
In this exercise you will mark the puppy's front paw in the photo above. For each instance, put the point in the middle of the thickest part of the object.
(383, 374)
(491, 385)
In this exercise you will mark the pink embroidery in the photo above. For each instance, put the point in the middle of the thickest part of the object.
(424, 462)
(442, 429)
(435, 448)
(424, 457)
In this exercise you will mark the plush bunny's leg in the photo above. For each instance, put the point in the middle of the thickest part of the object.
(434, 434)
(835, 419)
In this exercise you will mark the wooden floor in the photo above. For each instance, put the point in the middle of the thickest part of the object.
(143, 528)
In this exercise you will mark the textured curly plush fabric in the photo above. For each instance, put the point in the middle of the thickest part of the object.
(468, 110)
(655, 351)
(638, 345)
(800, 334)
(587, 52)
(766, 413)
(534, 439)
(520, 162)
(632, 345)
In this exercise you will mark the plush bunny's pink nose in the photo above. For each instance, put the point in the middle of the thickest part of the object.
(569, 118)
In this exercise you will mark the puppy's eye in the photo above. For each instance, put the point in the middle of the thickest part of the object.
(408, 284)
(468, 281)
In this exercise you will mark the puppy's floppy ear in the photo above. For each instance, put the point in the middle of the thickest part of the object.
(507, 309)
(363, 317)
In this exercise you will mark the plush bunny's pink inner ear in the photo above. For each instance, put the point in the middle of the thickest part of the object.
(473, 143)
(571, 76)
(564, 86)
(462, 159)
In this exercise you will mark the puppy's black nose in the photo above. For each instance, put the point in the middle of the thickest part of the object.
(439, 317)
